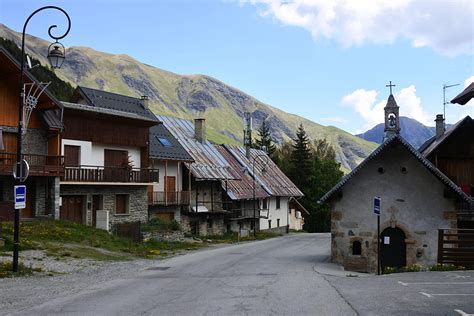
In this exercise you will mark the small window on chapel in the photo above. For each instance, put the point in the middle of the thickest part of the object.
(356, 248)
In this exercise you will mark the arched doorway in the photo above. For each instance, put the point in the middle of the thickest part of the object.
(393, 252)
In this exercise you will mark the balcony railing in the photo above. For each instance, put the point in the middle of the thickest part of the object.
(249, 213)
(40, 165)
(109, 174)
(168, 198)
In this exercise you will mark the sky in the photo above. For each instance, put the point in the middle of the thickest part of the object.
(327, 61)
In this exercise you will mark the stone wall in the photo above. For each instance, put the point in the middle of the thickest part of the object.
(412, 200)
(207, 224)
(207, 191)
(137, 208)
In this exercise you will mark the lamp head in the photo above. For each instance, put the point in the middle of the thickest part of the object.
(56, 55)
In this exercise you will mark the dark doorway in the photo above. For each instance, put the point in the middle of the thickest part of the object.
(392, 248)
(29, 211)
(97, 203)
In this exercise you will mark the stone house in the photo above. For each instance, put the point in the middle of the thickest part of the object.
(203, 178)
(106, 148)
(417, 199)
(40, 143)
(166, 198)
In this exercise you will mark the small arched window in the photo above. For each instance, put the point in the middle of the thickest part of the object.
(356, 248)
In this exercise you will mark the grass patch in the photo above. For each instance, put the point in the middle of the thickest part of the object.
(64, 239)
(6, 270)
(421, 268)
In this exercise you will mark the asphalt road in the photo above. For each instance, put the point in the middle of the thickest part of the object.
(282, 276)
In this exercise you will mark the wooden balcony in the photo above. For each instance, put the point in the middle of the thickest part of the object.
(168, 198)
(40, 165)
(109, 174)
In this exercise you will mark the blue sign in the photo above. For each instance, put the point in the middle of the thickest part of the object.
(20, 196)
(377, 205)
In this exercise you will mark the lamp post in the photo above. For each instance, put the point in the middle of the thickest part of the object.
(56, 56)
(259, 156)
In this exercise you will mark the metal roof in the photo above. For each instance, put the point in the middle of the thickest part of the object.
(173, 151)
(267, 173)
(90, 108)
(431, 144)
(425, 162)
(208, 162)
(466, 95)
(240, 189)
(114, 101)
(52, 119)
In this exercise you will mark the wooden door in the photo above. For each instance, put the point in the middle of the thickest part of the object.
(72, 155)
(170, 189)
(72, 208)
(29, 210)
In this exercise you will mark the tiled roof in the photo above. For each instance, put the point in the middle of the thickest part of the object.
(208, 162)
(431, 144)
(466, 95)
(89, 108)
(52, 119)
(267, 173)
(114, 101)
(428, 165)
(171, 151)
(240, 189)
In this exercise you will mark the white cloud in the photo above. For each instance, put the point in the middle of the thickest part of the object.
(445, 26)
(365, 103)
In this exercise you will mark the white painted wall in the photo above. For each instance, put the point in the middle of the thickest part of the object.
(170, 171)
(274, 214)
(295, 222)
(92, 154)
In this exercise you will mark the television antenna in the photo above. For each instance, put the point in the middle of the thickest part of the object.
(445, 86)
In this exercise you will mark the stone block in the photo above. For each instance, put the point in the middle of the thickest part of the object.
(336, 215)
(450, 215)
(349, 224)
(357, 264)
(365, 234)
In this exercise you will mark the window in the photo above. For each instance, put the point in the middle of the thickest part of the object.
(356, 248)
(278, 222)
(209, 224)
(269, 223)
(277, 202)
(121, 204)
(265, 204)
(252, 225)
(72, 155)
(164, 141)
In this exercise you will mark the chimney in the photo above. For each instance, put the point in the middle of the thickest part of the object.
(200, 129)
(439, 125)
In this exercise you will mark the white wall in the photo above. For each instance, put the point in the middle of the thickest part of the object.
(274, 214)
(171, 171)
(92, 154)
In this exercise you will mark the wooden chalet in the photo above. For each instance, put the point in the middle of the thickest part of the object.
(106, 148)
(41, 144)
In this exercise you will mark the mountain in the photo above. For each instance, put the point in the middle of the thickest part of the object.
(190, 96)
(412, 130)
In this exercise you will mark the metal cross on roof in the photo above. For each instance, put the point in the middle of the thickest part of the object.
(390, 85)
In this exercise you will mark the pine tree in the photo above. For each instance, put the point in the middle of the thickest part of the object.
(265, 140)
(301, 160)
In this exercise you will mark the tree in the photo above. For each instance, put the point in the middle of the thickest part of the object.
(265, 140)
(301, 160)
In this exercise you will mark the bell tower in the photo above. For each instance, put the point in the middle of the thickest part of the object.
(392, 117)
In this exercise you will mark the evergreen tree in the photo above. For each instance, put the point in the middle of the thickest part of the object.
(301, 160)
(265, 140)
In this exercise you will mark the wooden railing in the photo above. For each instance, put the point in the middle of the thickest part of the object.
(456, 246)
(168, 198)
(110, 174)
(40, 165)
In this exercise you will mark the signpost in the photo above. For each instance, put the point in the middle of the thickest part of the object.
(377, 204)
(20, 197)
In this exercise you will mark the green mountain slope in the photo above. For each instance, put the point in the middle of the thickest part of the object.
(190, 96)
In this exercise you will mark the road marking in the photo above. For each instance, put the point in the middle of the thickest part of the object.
(446, 294)
(434, 283)
(463, 313)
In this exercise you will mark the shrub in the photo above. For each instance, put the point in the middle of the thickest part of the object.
(445, 267)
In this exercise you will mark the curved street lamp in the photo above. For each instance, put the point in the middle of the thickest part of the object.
(56, 56)
(258, 157)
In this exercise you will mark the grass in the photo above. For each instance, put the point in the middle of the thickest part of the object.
(6, 270)
(63, 239)
(421, 268)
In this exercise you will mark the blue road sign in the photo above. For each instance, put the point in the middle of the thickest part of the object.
(20, 196)
(377, 205)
